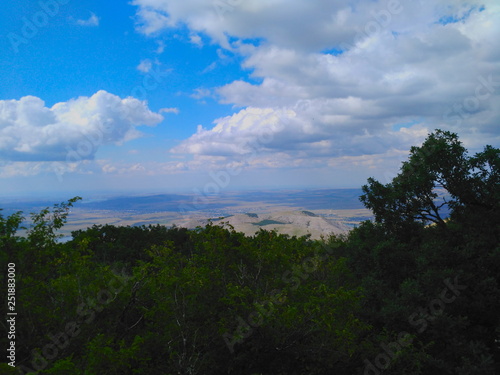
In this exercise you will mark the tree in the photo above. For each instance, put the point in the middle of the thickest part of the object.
(9, 242)
(438, 179)
(45, 223)
(437, 221)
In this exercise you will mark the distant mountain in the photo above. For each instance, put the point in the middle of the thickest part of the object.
(307, 199)
(150, 203)
(294, 223)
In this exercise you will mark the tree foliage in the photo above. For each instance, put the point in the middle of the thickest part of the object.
(438, 179)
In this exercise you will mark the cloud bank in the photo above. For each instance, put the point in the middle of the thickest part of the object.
(30, 131)
(338, 79)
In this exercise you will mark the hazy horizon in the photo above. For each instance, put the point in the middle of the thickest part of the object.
(104, 195)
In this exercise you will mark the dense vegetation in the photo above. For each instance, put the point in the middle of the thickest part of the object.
(414, 292)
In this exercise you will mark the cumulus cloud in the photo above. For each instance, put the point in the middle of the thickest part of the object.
(69, 131)
(304, 131)
(343, 80)
(234, 134)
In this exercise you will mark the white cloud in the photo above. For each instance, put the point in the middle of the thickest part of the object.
(69, 131)
(161, 47)
(145, 66)
(151, 21)
(306, 131)
(201, 93)
(93, 20)
(170, 110)
(209, 68)
(196, 39)
(234, 135)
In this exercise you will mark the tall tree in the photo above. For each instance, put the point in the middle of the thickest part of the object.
(438, 179)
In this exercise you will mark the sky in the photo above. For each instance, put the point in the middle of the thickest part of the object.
(213, 95)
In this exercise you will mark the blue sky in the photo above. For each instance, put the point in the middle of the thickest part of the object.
(162, 95)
